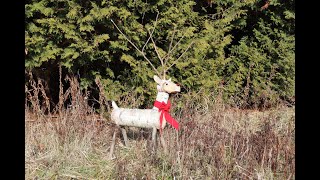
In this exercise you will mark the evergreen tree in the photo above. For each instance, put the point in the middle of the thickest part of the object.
(247, 49)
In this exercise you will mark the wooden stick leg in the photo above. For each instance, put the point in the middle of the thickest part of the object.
(154, 135)
(125, 137)
(112, 144)
(164, 145)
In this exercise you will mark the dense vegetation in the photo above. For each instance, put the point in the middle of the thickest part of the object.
(244, 50)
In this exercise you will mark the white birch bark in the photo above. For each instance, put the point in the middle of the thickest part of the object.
(144, 118)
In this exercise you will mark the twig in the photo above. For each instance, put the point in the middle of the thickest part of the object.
(249, 176)
(155, 48)
(174, 32)
(167, 55)
(158, 54)
(155, 24)
(180, 56)
(136, 48)
(73, 176)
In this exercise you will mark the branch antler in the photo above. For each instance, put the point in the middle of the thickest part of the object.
(155, 24)
(141, 52)
(158, 54)
(167, 56)
(174, 62)
(163, 60)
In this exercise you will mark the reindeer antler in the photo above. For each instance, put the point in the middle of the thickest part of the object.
(163, 60)
(142, 53)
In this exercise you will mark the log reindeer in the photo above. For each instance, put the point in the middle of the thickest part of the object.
(154, 118)
(157, 117)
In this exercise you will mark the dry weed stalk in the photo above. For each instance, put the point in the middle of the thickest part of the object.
(102, 97)
(40, 103)
(61, 96)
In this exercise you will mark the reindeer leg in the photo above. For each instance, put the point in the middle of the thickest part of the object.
(125, 137)
(113, 143)
(154, 135)
(164, 145)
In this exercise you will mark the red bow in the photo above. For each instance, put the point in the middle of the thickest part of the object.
(164, 108)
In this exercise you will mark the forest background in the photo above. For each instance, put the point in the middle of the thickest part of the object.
(244, 50)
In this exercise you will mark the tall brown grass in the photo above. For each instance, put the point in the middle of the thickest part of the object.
(214, 142)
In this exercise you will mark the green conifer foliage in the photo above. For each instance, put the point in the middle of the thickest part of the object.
(262, 63)
(231, 44)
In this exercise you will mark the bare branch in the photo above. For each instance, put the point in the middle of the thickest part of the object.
(161, 60)
(174, 32)
(167, 55)
(180, 56)
(136, 48)
(166, 58)
(155, 24)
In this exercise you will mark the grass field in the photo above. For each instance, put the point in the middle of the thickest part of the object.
(230, 144)
(214, 142)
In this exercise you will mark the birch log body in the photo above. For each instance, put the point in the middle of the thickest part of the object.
(144, 118)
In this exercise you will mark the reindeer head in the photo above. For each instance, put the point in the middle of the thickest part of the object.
(166, 85)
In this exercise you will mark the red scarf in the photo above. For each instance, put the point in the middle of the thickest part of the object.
(164, 108)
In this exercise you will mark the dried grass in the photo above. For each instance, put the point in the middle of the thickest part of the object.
(214, 142)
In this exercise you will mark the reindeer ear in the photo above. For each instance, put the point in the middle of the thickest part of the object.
(157, 79)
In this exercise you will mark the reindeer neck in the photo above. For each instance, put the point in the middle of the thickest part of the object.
(162, 97)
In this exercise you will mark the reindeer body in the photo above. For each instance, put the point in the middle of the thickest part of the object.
(144, 118)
